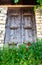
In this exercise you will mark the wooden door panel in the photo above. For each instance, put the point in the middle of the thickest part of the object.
(15, 30)
(27, 29)
(28, 36)
(27, 21)
(20, 29)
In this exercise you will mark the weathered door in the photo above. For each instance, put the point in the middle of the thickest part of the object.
(19, 29)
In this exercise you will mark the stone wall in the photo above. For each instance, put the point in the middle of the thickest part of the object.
(3, 16)
(38, 17)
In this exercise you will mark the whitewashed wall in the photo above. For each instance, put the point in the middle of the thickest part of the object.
(3, 16)
(38, 17)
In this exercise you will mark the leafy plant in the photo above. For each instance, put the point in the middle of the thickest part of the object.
(22, 55)
(16, 1)
(40, 2)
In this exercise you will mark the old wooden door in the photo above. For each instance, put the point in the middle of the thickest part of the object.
(19, 29)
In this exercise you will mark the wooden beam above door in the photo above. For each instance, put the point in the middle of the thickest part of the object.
(27, 14)
(16, 14)
(17, 6)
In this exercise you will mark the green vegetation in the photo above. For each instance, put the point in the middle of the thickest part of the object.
(40, 5)
(40, 2)
(25, 54)
(16, 1)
